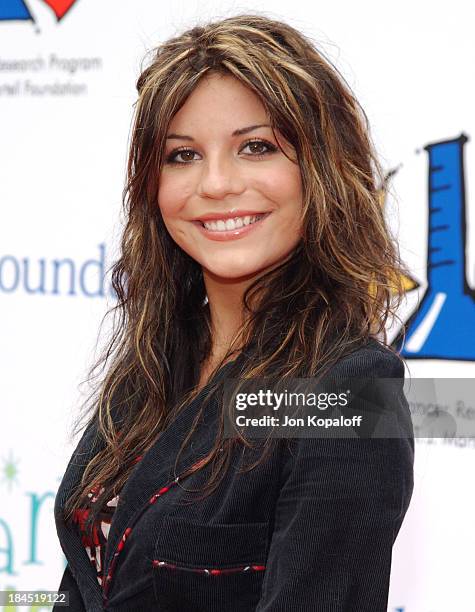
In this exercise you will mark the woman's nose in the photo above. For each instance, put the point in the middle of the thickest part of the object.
(219, 177)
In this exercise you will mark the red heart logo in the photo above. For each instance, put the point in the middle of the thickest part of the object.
(60, 7)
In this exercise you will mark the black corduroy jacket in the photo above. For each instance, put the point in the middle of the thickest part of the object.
(311, 529)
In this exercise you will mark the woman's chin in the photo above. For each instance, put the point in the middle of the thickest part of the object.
(232, 272)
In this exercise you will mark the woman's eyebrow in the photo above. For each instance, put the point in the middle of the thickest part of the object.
(239, 132)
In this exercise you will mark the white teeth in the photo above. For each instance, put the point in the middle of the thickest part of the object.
(229, 224)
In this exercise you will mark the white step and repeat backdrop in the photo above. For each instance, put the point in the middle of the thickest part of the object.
(67, 86)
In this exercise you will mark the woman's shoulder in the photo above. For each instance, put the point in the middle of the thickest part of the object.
(370, 359)
(369, 445)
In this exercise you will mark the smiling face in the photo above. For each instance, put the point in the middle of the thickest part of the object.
(217, 163)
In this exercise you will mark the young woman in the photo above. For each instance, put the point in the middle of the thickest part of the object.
(255, 245)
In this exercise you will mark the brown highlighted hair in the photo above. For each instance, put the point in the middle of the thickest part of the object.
(339, 287)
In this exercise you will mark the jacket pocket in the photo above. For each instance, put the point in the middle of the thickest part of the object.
(210, 566)
(225, 545)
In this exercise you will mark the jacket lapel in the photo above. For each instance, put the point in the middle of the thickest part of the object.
(156, 468)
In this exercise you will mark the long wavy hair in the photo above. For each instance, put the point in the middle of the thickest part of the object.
(337, 289)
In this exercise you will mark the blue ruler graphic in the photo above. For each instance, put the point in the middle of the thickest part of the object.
(444, 325)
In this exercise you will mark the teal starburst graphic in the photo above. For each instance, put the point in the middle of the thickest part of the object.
(10, 470)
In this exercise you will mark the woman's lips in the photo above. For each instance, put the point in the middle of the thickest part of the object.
(232, 234)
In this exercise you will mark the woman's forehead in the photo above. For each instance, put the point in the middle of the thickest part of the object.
(223, 101)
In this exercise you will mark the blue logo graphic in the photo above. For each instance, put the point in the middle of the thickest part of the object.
(14, 10)
(17, 10)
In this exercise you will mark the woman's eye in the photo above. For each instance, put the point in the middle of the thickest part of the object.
(171, 159)
(260, 143)
(181, 157)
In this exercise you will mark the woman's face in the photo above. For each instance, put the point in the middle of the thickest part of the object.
(218, 164)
